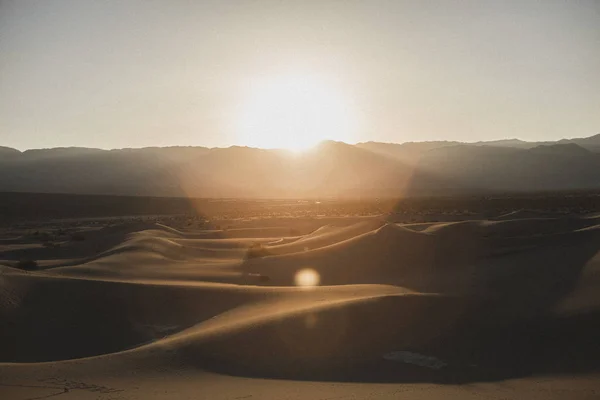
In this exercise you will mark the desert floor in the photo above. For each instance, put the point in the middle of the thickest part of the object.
(301, 308)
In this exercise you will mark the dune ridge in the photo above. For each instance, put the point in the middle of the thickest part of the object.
(192, 298)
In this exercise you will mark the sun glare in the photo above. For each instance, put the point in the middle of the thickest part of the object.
(294, 112)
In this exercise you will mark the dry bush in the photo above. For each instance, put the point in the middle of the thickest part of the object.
(77, 237)
(257, 250)
(27, 265)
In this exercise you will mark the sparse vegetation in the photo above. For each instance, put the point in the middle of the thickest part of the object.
(77, 237)
(216, 214)
(257, 250)
(27, 265)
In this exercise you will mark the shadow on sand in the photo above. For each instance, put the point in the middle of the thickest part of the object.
(508, 330)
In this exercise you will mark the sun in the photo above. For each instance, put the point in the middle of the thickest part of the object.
(294, 112)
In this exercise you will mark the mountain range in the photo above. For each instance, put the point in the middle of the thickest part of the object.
(331, 169)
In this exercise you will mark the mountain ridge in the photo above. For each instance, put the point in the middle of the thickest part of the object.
(331, 169)
(593, 140)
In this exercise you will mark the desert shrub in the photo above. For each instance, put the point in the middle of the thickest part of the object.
(27, 265)
(257, 250)
(44, 237)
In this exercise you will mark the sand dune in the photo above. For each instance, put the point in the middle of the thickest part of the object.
(137, 296)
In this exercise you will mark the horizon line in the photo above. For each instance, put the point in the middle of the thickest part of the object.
(290, 150)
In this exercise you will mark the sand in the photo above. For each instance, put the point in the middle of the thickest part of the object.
(504, 308)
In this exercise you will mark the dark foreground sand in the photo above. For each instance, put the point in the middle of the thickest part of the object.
(508, 308)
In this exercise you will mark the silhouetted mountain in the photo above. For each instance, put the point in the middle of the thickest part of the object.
(332, 169)
(413, 150)
(59, 152)
(339, 169)
(561, 149)
(8, 152)
(469, 168)
(408, 153)
(515, 143)
(591, 143)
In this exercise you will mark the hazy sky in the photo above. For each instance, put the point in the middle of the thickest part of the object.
(114, 74)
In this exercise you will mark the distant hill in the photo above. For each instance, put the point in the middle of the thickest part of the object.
(409, 152)
(514, 143)
(469, 168)
(332, 169)
(412, 150)
(8, 152)
(591, 143)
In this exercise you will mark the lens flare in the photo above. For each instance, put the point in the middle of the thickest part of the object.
(307, 277)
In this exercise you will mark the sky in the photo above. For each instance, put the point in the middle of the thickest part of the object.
(114, 74)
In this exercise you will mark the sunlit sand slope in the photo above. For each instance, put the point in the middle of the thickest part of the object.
(305, 299)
